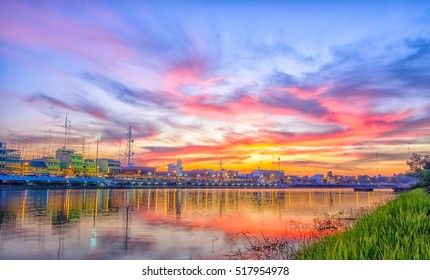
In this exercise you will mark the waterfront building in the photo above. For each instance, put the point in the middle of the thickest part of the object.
(109, 166)
(52, 165)
(317, 178)
(35, 167)
(290, 179)
(2, 158)
(175, 169)
(40, 166)
(10, 160)
(139, 170)
(13, 161)
(244, 177)
(71, 163)
(228, 174)
(268, 175)
(200, 173)
(363, 179)
(89, 167)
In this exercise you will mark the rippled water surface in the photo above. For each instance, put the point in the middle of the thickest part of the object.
(158, 224)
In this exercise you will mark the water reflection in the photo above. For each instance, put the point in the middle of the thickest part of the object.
(157, 223)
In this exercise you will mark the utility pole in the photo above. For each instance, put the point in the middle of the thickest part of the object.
(65, 133)
(119, 149)
(51, 152)
(45, 146)
(83, 147)
(377, 164)
(98, 138)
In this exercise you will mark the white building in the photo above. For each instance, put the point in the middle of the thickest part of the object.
(175, 169)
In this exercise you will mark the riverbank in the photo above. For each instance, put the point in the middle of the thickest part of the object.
(398, 230)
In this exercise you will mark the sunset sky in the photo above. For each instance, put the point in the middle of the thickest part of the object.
(322, 85)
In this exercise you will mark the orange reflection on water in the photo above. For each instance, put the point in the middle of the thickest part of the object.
(159, 223)
(272, 212)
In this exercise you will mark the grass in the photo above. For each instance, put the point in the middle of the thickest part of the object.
(398, 230)
(263, 248)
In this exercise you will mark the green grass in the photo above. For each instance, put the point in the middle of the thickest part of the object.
(398, 230)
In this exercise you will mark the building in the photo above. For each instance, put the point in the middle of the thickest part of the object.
(89, 168)
(175, 169)
(71, 163)
(35, 167)
(10, 160)
(317, 178)
(268, 175)
(139, 171)
(200, 173)
(2, 158)
(244, 177)
(227, 174)
(109, 166)
(52, 164)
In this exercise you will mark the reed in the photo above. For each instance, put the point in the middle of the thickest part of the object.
(398, 230)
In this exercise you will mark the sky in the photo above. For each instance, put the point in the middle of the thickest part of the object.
(313, 86)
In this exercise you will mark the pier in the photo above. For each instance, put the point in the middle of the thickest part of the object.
(7, 181)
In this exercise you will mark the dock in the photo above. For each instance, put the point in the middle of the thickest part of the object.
(43, 182)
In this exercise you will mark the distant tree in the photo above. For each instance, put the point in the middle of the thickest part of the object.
(425, 178)
(419, 165)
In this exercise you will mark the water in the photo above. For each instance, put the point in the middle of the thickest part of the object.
(159, 224)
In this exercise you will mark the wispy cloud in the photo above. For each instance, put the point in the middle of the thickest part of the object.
(197, 82)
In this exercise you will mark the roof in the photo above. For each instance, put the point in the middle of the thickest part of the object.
(37, 163)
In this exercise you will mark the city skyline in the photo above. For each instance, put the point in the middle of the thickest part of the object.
(335, 86)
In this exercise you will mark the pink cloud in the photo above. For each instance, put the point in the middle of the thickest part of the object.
(186, 73)
(209, 82)
(302, 92)
(38, 28)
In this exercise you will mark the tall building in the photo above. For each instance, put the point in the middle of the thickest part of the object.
(10, 160)
(2, 158)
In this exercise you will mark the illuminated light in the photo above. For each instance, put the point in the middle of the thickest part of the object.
(93, 242)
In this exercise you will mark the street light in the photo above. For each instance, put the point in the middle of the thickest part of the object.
(98, 138)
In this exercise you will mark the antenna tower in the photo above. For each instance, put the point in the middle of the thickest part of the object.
(67, 125)
(45, 146)
(83, 147)
(279, 164)
(129, 152)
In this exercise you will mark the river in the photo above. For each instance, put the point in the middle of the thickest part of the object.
(159, 223)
